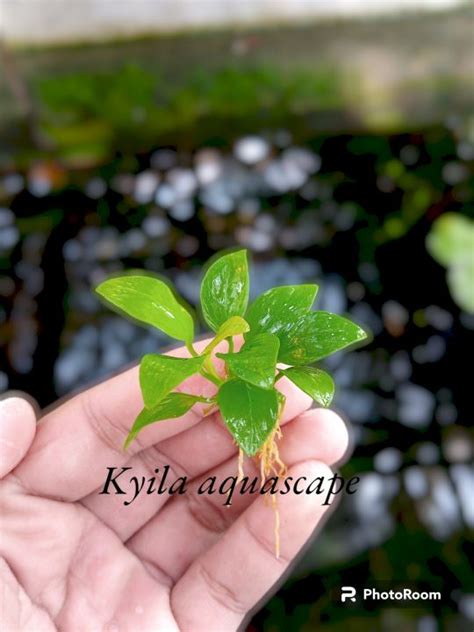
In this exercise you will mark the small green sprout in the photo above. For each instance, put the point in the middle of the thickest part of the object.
(282, 337)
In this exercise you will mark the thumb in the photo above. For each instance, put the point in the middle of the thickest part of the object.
(17, 429)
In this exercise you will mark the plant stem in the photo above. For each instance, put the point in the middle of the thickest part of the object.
(231, 345)
(211, 369)
(279, 376)
(210, 409)
(215, 380)
(191, 349)
(205, 400)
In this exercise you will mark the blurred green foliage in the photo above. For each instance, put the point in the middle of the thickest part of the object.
(91, 115)
(451, 243)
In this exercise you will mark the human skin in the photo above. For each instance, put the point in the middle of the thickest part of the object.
(71, 559)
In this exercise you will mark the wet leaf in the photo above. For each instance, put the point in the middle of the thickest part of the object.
(225, 289)
(256, 360)
(172, 406)
(317, 335)
(149, 300)
(249, 412)
(278, 311)
(160, 374)
(314, 382)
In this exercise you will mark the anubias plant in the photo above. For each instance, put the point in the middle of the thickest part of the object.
(282, 335)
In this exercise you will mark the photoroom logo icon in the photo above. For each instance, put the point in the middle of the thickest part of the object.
(348, 592)
(389, 592)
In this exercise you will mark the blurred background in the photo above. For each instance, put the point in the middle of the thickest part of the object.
(334, 141)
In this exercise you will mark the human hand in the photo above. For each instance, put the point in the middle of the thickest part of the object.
(71, 559)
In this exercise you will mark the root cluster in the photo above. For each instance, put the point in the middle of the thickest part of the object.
(270, 465)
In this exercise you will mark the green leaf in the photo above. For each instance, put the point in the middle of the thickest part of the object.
(256, 360)
(232, 327)
(317, 335)
(278, 310)
(149, 300)
(172, 406)
(316, 383)
(160, 374)
(225, 289)
(452, 235)
(249, 412)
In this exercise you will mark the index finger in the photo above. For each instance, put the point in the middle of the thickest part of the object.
(76, 441)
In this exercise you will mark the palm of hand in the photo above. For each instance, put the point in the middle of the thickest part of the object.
(76, 571)
(77, 560)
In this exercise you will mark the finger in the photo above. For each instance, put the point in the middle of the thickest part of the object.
(17, 612)
(85, 435)
(320, 434)
(228, 580)
(202, 518)
(188, 454)
(17, 429)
